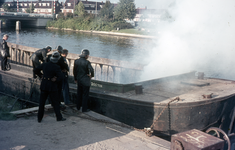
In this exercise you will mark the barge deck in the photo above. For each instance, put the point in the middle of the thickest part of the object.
(192, 111)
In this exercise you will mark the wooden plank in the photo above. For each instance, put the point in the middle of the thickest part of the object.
(23, 111)
(195, 83)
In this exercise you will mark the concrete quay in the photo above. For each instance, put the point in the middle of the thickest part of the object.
(75, 133)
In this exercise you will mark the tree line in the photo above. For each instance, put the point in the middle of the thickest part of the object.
(109, 18)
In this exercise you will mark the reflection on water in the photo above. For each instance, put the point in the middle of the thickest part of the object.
(105, 46)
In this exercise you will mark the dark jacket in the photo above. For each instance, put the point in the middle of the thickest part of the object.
(4, 49)
(41, 54)
(49, 71)
(63, 65)
(82, 68)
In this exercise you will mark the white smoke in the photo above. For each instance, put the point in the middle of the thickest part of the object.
(200, 36)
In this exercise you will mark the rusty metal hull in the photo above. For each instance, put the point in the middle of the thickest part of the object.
(176, 118)
(193, 112)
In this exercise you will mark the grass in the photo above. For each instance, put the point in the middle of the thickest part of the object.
(6, 104)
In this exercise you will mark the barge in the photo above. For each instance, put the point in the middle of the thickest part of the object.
(169, 105)
(201, 103)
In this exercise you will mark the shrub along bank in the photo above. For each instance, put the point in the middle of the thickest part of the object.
(88, 23)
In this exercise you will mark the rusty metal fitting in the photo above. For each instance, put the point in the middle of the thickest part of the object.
(207, 95)
(138, 89)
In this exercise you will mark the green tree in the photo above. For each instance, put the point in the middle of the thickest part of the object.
(125, 10)
(79, 9)
(107, 11)
(2, 2)
(30, 9)
(6, 7)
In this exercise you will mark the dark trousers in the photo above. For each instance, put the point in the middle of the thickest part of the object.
(3, 63)
(59, 92)
(60, 84)
(55, 103)
(82, 96)
(65, 89)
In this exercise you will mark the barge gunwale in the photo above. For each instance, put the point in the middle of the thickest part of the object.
(100, 93)
(205, 102)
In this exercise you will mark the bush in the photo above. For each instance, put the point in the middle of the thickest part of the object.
(60, 16)
(88, 23)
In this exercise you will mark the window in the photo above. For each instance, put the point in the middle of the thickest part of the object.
(21, 4)
(40, 4)
(48, 4)
(44, 4)
(25, 4)
(69, 4)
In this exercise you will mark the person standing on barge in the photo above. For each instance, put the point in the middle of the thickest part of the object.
(64, 68)
(51, 76)
(4, 52)
(40, 54)
(65, 84)
(83, 72)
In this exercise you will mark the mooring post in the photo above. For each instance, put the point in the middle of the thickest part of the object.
(18, 25)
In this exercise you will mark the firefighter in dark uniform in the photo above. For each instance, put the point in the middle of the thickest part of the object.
(4, 52)
(83, 72)
(51, 76)
(65, 83)
(64, 68)
(40, 54)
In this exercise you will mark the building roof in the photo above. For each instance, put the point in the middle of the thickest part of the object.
(35, 3)
(87, 4)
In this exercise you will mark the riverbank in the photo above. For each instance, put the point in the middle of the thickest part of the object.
(118, 33)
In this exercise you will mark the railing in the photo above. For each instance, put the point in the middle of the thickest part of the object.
(105, 69)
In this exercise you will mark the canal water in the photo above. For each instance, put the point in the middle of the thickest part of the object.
(105, 46)
(135, 50)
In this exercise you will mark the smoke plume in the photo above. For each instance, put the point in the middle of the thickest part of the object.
(199, 36)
